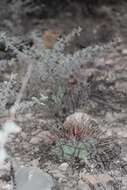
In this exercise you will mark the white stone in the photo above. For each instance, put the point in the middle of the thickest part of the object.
(124, 51)
(34, 140)
(63, 166)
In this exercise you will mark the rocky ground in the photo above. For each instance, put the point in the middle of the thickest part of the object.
(106, 99)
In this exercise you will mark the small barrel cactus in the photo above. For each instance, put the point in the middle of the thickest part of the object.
(83, 140)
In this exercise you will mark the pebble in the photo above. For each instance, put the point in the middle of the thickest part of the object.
(64, 166)
(83, 186)
(34, 140)
(25, 145)
(42, 136)
(124, 52)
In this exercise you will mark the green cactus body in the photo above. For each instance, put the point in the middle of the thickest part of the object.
(67, 150)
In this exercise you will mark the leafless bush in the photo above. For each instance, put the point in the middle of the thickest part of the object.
(62, 76)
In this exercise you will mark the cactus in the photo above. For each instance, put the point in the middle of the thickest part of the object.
(68, 150)
(86, 143)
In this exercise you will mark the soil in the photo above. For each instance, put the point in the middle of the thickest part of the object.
(104, 25)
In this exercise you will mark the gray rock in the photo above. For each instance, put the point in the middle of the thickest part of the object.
(31, 178)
